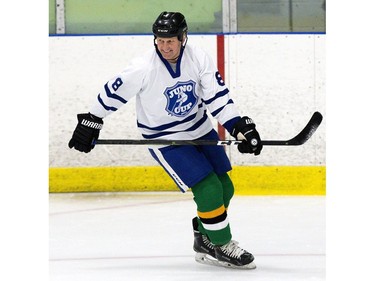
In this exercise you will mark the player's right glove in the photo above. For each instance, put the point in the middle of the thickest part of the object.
(86, 132)
(245, 130)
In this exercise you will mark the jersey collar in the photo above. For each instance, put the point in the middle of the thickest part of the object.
(168, 66)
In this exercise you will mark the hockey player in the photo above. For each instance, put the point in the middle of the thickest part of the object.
(175, 84)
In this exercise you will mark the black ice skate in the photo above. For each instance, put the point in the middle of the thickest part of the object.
(230, 255)
(205, 252)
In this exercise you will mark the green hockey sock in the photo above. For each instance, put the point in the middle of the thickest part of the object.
(212, 214)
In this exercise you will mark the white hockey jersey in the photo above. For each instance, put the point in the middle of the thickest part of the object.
(171, 104)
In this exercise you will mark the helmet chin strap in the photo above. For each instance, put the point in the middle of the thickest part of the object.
(155, 42)
(184, 43)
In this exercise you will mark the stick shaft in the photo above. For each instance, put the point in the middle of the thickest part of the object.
(180, 142)
(299, 139)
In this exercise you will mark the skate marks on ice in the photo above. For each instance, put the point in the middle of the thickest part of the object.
(182, 268)
(148, 236)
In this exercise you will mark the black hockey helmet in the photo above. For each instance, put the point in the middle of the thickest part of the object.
(170, 24)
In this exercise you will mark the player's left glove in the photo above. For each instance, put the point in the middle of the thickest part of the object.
(245, 130)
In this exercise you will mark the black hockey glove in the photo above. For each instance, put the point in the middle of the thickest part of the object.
(245, 130)
(86, 132)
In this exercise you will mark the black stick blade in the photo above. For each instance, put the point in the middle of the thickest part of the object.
(304, 135)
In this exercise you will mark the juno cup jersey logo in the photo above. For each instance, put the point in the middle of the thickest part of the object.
(181, 98)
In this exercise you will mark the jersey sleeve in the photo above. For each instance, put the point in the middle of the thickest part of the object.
(119, 90)
(216, 95)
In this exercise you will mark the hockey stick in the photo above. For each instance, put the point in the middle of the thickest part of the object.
(299, 139)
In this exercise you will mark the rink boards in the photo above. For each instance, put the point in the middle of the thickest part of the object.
(249, 180)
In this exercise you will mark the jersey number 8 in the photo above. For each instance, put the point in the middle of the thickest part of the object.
(115, 85)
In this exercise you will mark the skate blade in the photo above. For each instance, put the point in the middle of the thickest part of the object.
(229, 265)
(207, 259)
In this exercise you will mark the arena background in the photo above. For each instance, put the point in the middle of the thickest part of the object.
(273, 59)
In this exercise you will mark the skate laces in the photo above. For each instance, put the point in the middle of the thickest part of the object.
(207, 242)
(232, 250)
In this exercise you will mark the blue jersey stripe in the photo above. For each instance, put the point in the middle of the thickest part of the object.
(113, 96)
(106, 107)
(192, 128)
(169, 125)
(218, 95)
(217, 111)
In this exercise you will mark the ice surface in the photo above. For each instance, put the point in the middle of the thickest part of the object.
(148, 236)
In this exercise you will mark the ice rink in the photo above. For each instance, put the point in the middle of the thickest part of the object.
(148, 236)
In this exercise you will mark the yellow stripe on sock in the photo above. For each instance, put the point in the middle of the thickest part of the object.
(212, 214)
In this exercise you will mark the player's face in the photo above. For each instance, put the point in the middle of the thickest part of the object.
(169, 48)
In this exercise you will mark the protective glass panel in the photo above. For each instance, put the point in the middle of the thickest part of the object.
(134, 16)
(281, 15)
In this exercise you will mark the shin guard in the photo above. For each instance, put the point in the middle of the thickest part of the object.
(212, 214)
